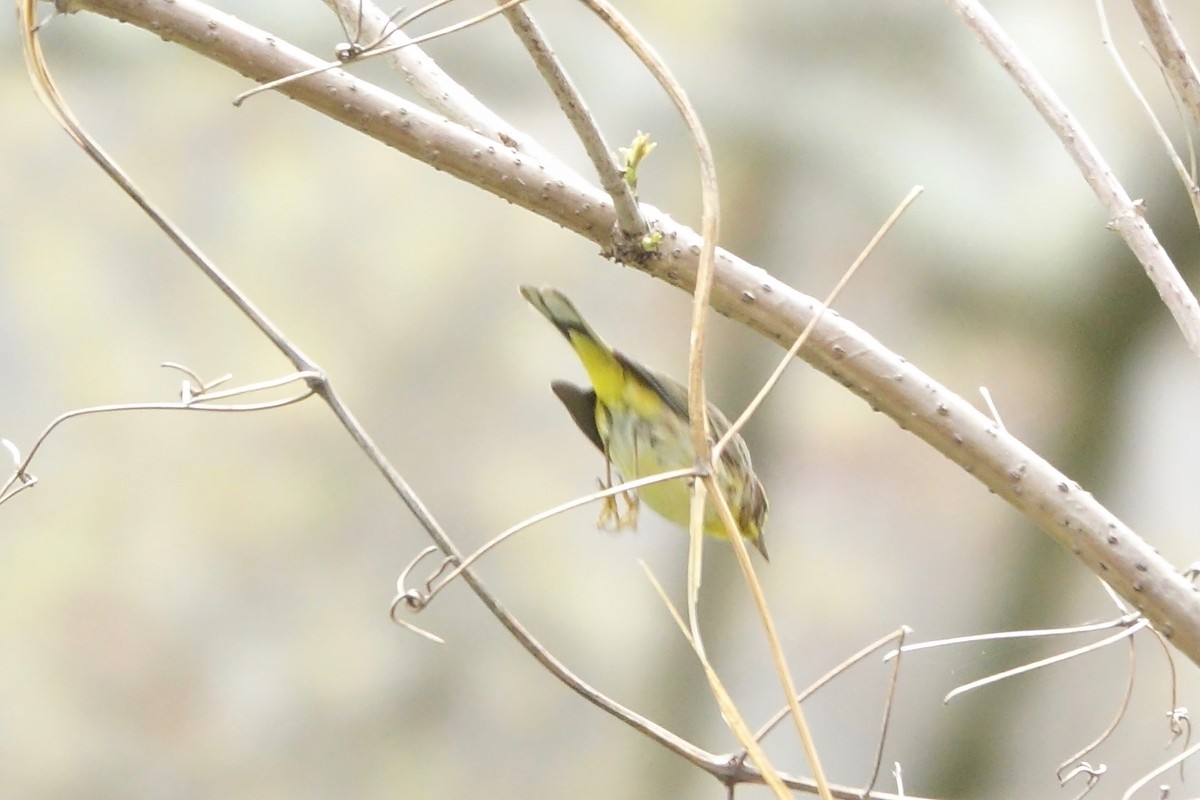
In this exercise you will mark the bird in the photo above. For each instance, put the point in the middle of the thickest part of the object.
(638, 418)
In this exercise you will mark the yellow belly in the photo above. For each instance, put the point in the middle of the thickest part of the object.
(639, 448)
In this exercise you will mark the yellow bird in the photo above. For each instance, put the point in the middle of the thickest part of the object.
(639, 420)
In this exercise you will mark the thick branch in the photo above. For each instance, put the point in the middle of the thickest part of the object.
(741, 291)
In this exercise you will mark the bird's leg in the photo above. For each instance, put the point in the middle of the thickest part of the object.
(632, 502)
(611, 517)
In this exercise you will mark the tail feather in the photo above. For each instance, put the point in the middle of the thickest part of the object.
(604, 367)
(554, 306)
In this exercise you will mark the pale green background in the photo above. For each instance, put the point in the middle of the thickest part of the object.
(194, 605)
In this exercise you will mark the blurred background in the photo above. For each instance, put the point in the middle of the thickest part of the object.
(195, 605)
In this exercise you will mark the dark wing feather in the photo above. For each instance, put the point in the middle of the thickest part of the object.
(581, 405)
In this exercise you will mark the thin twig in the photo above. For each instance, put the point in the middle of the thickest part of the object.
(887, 716)
(1172, 54)
(1185, 176)
(1179, 720)
(887, 225)
(729, 711)
(48, 92)
(1120, 622)
(1045, 662)
(1126, 216)
(991, 407)
(191, 402)
(812, 688)
(408, 596)
(1159, 770)
(418, 602)
(697, 403)
(1093, 775)
(768, 623)
(1112, 727)
(372, 52)
(629, 218)
(779, 715)
(443, 94)
(1184, 123)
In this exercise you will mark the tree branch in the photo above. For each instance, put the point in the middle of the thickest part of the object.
(575, 108)
(1126, 216)
(1180, 68)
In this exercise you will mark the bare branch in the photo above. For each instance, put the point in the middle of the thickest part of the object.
(769, 384)
(575, 108)
(1186, 176)
(444, 94)
(1159, 770)
(192, 398)
(1107, 732)
(1181, 70)
(1045, 662)
(417, 601)
(1126, 216)
(350, 53)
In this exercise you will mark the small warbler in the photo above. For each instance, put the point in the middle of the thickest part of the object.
(639, 420)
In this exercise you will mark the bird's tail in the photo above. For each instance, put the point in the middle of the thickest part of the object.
(602, 364)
